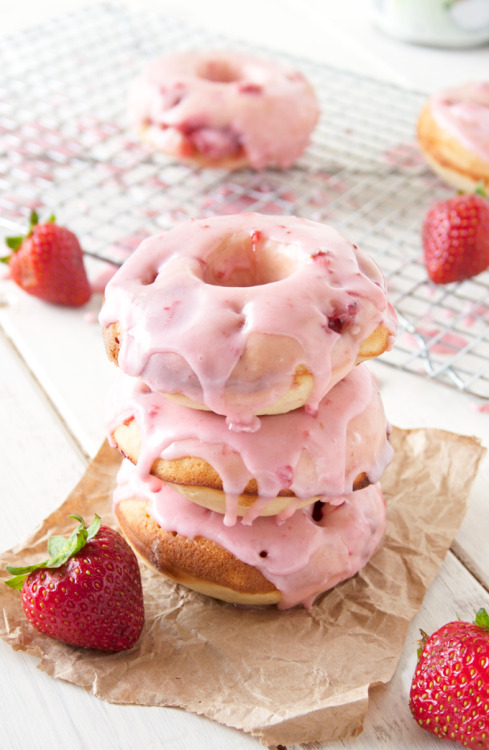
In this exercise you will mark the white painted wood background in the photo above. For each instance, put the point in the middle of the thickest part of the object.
(54, 376)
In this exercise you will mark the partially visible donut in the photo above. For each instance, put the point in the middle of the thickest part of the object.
(287, 564)
(293, 460)
(223, 109)
(246, 314)
(453, 135)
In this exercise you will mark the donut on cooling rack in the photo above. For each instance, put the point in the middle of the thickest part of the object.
(223, 109)
(453, 135)
(246, 314)
(286, 564)
(293, 460)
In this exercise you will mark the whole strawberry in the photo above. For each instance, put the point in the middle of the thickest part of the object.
(48, 263)
(456, 238)
(450, 688)
(88, 593)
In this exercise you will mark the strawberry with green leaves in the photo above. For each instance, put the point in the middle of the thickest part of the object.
(455, 238)
(48, 263)
(88, 593)
(450, 688)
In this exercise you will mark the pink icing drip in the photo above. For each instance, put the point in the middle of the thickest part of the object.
(99, 283)
(464, 112)
(311, 455)
(247, 103)
(183, 330)
(301, 557)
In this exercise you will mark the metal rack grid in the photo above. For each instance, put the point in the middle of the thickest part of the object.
(64, 146)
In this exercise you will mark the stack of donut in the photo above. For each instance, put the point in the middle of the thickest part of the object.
(253, 436)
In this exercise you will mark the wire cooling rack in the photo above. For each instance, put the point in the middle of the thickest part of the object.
(65, 147)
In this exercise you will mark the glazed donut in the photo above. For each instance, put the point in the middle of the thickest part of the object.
(453, 135)
(246, 314)
(293, 460)
(223, 109)
(287, 564)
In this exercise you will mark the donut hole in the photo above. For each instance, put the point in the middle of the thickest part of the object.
(244, 262)
(148, 277)
(317, 511)
(219, 71)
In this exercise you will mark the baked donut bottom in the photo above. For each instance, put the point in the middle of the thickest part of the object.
(176, 147)
(293, 460)
(198, 481)
(301, 382)
(448, 158)
(252, 379)
(198, 564)
(287, 564)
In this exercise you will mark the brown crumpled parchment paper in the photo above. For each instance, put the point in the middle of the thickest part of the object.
(286, 677)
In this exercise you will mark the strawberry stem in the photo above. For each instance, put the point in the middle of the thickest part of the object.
(422, 642)
(60, 550)
(33, 220)
(14, 243)
(482, 619)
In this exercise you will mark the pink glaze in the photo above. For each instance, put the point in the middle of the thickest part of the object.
(463, 112)
(447, 343)
(187, 302)
(90, 317)
(98, 284)
(302, 557)
(223, 103)
(313, 456)
(404, 156)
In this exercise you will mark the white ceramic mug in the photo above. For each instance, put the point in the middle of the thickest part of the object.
(440, 23)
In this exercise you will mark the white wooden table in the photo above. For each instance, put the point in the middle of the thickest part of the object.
(54, 377)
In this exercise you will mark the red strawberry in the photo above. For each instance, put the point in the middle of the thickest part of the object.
(450, 688)
(456, 238)
(48, 263)
(89, 593)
